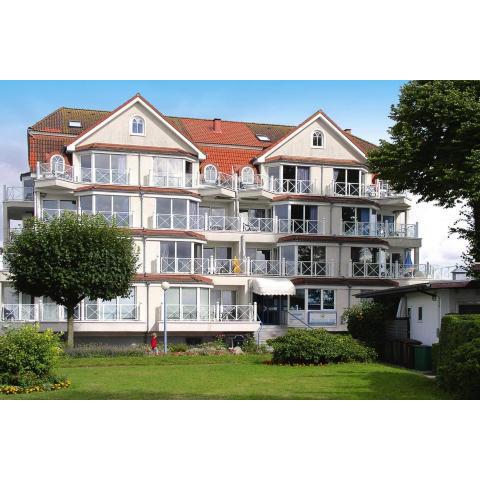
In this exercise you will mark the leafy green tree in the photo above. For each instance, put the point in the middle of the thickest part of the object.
(434, 150)
(70, 258)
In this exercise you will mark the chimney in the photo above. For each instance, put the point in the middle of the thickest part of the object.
(348, 130)
(217, 125)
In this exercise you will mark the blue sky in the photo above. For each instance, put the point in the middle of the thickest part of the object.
(363, 106)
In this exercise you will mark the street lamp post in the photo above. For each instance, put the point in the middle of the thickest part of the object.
(165, 286)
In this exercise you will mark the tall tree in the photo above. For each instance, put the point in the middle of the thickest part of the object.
(434, 150)
(70, 258)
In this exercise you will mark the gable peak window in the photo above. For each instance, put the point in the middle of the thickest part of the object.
(137, 126)
(57, 163)
(317, 139)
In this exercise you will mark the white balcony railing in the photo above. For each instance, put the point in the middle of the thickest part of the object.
(19, 312)
(211, 313)
(380, 189)
(51, 213)
(380, 229)
(17, 194)
(46, 170)
(222, 180)
(173, 180)
(122, 219)
(399, 271)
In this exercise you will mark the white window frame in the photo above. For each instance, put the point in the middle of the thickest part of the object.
(53, 158)
(135, 117)
(251, 172)
(322, 137)
(210, 166)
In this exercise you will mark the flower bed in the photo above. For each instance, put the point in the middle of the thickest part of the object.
(44, 387)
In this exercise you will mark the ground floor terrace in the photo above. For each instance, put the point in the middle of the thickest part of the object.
(194, 305)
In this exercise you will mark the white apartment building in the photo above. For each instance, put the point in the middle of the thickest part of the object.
(256, 227)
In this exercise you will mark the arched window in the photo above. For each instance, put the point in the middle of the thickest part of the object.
(57, 162)
(248, 175)
(317, 139)
(210, 174)
(137, 126)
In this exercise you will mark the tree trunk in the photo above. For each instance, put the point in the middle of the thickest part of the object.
(475, 234)
(70, 339)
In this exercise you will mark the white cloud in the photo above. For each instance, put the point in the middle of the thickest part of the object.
(438, 247)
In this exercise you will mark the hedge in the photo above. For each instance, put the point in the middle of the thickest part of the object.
(456, 331)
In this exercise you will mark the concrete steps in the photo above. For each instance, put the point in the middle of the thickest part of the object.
(270, 331)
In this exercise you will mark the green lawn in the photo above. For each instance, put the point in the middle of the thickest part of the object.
(233, 377)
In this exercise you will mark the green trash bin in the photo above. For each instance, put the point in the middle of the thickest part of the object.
(422, 357)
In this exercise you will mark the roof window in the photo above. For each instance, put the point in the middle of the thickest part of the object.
(263, 138)
(75, 124)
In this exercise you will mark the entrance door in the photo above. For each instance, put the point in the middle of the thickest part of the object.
(271, 309)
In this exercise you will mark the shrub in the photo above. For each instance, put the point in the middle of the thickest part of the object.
(177, 347)
(461, 375)
(456, 330)
(250, 346)
(102, 350)
(317, 347)
(28, 356)
(366, 322)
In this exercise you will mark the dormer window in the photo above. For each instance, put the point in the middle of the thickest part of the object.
(137, 126)
(248, 175)
(57, 163)
(210, 174)
(317, 139)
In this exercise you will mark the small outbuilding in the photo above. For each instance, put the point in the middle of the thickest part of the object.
(421, 306)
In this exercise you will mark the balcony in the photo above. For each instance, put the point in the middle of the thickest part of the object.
(122, 219)
(238, 224)
(70, 173)
(172, 180)
(380, 189)
(211, 313)
(17, 194)
(244, 267)
(380, 229)
(399, 271)
(51, 312)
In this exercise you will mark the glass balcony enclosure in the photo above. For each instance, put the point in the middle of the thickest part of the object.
(112, 207)
(172, 172)
(54, 208)
(104, 168)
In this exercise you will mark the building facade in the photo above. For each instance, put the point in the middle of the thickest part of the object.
(256, 227)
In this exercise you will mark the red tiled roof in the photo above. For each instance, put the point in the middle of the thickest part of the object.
(198, 131)
(321, 161)
(136, 188)
(134, 148)
(166, 233)
(42, 147)
(228, 159)
(159, 277)
(331, 239)
(379, 282)
(324, 198)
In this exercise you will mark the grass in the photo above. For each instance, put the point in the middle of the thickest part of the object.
(233, 377)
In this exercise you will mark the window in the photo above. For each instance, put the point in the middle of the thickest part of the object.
(319, 299)
(420, 314)
(57, 163)
(317, 139)
(297, 301)
(173, 213)
(75, 124)
(248, 175)
(175, 256)
(263, 138)
(112, 207)
(137, 126)
(210, 174)
(187, 303)
(171, 172)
